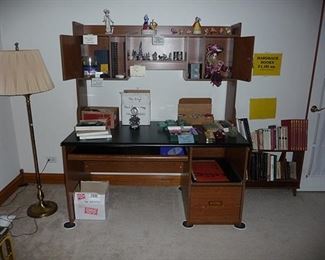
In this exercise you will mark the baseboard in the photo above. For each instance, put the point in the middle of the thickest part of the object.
(48, 178)
(58, 178)
(144, 180)
(7, 191)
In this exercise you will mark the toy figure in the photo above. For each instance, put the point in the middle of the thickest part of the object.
(197, 29)
(214, 67)
(146, 22)
(108, 22)
(153, 25)
(134, 120)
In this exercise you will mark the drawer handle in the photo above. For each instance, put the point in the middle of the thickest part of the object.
(215, 203)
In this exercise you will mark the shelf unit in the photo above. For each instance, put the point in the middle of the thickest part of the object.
(237, 54)
(294, 184)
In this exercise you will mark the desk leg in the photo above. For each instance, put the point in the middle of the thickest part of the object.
(187, 224)
(73, 173)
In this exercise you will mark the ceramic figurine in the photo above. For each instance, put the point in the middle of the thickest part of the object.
(134, 120)
(214, 66)
(153, 25)
(197, 29)
(108, 22)
(146, 22)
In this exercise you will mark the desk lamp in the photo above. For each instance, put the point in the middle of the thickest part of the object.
(23, 73)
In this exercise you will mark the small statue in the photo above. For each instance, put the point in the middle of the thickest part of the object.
(153, 25)
(197, 29)
(214, 66)
(146, 22)
(154, 56)
(108, 22)
(134, 120)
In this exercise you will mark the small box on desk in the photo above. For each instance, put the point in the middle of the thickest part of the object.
(195, 111)
(111, 114)
(91, 200)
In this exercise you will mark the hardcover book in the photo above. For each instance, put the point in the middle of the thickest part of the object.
(90, 125)
(208, 171)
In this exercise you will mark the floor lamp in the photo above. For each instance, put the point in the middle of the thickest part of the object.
(23, 73)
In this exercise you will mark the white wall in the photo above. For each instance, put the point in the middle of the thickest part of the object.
(9, 160)
(288, 26)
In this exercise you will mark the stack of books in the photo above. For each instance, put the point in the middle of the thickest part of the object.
(87, 129)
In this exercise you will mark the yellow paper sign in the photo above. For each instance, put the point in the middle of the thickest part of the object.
(267, 64)
(262, 108)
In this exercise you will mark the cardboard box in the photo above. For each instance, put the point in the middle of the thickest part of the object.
(91, 200)
(195, 111)
(139, 99)
(111, 114)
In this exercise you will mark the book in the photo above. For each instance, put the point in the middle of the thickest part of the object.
(87, 125)
(208, 171)
(93, 133)
(91, 137)
(297, 133)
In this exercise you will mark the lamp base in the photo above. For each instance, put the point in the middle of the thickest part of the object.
(40, 210)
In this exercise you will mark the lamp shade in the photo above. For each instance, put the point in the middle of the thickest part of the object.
(23, 72)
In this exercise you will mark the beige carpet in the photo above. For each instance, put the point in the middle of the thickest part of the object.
(145, 223)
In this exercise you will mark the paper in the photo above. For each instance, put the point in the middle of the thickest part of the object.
(139, 99)
(185, 139)
(97, 82)
(262, 108)
(267, 64)
(89, 39)
(137, 71)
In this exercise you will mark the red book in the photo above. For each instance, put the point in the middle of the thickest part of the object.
(208, 171)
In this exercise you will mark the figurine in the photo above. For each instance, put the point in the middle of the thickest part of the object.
(154, 56)
(108, 22)
(197, 29)
(146, 22)
(134, 120)
(153, 25)
(214, 66)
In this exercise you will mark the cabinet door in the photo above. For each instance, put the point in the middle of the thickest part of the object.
(71, 57)
(243, 58)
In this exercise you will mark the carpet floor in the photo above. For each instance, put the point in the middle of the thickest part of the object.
(145, 223)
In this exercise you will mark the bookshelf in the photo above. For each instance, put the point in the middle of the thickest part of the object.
(277, 155)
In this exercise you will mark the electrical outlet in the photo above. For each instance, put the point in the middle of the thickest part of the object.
(51, 159)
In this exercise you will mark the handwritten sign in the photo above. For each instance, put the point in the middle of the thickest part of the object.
(267, 64)
(139, 99)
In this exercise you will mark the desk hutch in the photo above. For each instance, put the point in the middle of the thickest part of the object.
(138, 152)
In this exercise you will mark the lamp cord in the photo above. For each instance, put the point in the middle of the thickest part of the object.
(11, 222)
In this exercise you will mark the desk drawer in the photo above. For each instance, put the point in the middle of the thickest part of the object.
(135, 166)
(215, 204)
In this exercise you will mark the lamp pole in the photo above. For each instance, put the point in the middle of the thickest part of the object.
(41, 208)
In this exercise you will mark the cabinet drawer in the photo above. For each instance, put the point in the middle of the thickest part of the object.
(215, 204)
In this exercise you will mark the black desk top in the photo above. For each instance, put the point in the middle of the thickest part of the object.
(150, 135)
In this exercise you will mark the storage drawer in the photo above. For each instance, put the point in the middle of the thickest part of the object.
(215, 204)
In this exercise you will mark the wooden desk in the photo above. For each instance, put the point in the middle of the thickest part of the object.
(138, 151)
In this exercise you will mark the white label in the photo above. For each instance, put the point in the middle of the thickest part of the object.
(89, 39)
(158, 40)
(137, 71)
(97, 82)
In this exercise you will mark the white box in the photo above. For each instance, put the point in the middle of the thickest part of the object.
(139, 99)
(91, 200)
